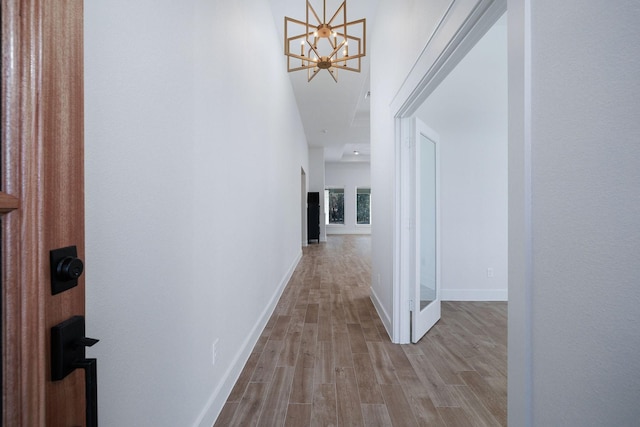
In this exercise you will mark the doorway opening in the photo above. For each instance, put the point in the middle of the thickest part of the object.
(303, 207)
(462, 169)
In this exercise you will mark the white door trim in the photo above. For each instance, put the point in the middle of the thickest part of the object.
(520, 366)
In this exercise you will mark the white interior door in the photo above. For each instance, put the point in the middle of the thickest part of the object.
(426, 277)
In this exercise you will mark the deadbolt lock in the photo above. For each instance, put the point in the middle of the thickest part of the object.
(66, 267)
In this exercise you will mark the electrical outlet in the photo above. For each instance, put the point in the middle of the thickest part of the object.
(489, 272)
(214, 352)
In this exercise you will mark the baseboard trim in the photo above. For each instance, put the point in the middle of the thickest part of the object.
(349, 231)
(474, 295)
(217, 400)
(384, 316)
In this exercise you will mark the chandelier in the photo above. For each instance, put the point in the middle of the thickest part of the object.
(319, 44)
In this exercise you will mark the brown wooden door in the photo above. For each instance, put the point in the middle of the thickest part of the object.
(42, 202)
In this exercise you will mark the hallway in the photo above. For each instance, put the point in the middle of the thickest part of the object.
(325, 358)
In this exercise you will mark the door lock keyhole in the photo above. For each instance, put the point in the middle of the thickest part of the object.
(69, 268)
(66, 268)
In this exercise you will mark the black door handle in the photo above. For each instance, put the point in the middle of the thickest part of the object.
(68, 343)
(90, 367)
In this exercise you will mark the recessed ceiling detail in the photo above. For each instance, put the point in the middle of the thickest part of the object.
(318, 44)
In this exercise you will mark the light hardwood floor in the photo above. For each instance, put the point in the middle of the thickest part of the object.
(324, 358)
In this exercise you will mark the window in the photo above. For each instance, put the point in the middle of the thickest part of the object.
(334, 201)
(363, 206)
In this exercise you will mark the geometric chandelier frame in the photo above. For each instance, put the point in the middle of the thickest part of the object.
(317, 44)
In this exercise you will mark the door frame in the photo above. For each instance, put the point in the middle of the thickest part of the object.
(23, 341)
(303, 207)
(437, 60)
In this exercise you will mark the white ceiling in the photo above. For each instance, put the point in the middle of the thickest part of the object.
(334, 115)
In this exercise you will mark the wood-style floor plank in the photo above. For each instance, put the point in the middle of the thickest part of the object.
(398, 406)
(280, 329)
(312, 313)
(356, 338)
(324, 373)
(342, 350)
(368, 386)
(275, 407)
(226, 415)
(376, 415)
(385, 371)
(324, 357)
(298, 415)
(302, 387)
(308, 345)
(424, 410)
(289, 353)
(480, 413)
(241, 384)
(438, 391)
(267, 363)
(324, 328)
(446, 363)
(324, 412)
(349, 410)
(494, 399)
(456, 417)
(248, 410)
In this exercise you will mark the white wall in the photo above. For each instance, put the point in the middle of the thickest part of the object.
(348, 176)
(193, 200)
(316, 182)
(468, 110)
(575, 236)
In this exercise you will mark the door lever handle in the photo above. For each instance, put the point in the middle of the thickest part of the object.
(90, 389)
(68, 343)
